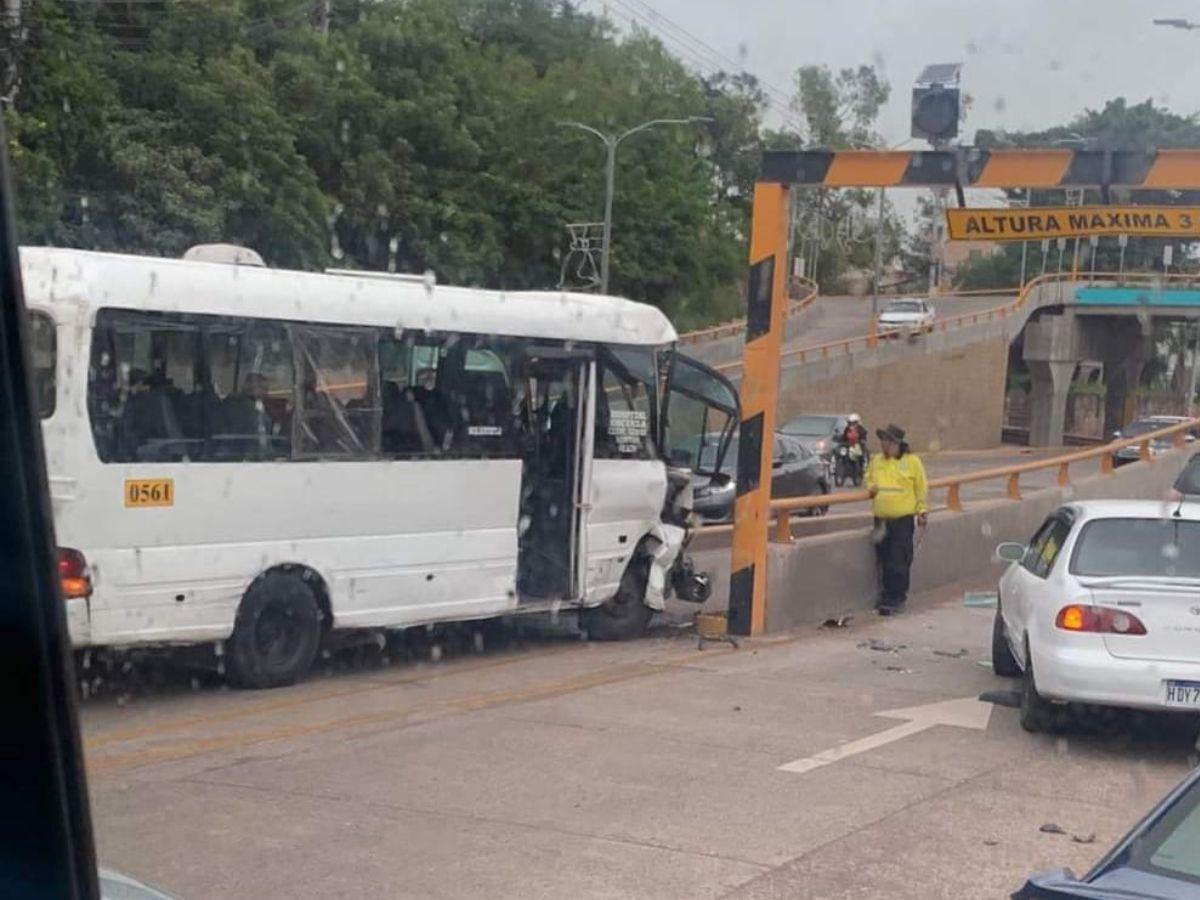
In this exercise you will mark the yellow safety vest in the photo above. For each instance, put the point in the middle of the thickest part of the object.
(900, 484)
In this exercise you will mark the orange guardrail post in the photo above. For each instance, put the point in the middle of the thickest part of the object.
(1014, 486)
(783, 527)
(1064, 474)
(1106, 464)
(953, 500)
(1144, 450)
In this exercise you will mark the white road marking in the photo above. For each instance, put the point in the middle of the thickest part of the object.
(967, 712)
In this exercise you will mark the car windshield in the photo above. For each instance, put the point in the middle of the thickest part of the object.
(904, 306)
(1164, 547)
(1171, 847)
(810, 426)
(1145, 426)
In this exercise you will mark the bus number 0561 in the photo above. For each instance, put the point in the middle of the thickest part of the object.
(150, 492)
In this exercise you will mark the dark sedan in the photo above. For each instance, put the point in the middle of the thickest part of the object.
(1159, 858)
(795, 472)
(816, 431)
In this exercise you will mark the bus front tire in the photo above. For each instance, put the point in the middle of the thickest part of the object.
(626, 615)
(277, 632)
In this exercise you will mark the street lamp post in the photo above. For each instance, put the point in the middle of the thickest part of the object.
(611, 142)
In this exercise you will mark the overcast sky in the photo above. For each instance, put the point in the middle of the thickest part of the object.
(1028, 63)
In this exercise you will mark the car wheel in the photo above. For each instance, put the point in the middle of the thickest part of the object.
(1004, 663)
(822, 510)
(276, 634)
(1037, 713)
(626, 615)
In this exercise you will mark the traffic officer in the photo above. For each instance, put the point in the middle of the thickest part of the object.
(895, 480)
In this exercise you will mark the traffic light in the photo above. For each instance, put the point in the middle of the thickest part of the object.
(935, 111)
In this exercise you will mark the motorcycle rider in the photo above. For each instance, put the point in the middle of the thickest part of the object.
(854, 437)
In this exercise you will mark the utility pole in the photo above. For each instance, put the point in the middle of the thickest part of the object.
(611, 142)
(873, 337)
(1024, 244)
(324, 14)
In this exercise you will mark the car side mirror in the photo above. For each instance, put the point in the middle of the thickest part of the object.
(1010, 551)
(777, 464)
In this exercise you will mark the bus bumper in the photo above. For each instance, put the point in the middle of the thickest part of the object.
(79, 622)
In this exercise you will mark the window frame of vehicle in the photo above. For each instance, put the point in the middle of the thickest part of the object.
(631, 368)
(1037, 561)
(42, 328)
(109, 388)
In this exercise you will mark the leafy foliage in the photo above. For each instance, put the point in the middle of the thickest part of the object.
(411, 134)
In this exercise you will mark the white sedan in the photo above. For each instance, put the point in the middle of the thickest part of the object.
(1103, 607)
(908, 314)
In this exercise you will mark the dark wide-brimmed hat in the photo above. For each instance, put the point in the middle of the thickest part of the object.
(891, 433)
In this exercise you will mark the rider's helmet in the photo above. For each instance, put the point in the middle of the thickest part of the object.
(854, 419)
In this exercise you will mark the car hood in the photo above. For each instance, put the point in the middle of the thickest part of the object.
(115, 886)
(1117, 884)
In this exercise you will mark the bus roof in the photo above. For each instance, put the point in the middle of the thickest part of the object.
(54, 276)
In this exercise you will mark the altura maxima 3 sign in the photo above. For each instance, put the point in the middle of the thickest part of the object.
(1037, 223)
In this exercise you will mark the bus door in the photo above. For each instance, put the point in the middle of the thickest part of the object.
(556, 422)
(700, 415)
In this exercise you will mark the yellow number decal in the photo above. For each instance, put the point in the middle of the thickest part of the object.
(149, 492)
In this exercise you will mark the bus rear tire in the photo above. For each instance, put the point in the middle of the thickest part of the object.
(277, 632)
(626, 615)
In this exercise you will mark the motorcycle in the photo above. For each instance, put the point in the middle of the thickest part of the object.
(848, 464)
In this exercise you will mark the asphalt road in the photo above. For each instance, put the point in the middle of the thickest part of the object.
(648, 769)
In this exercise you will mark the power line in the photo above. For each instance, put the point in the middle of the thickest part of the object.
(703, 57)
(702, 46)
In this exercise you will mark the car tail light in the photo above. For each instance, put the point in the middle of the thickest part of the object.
(1098, 619)
(73, 574)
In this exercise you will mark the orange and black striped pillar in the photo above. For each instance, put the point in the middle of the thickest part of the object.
(766, 306)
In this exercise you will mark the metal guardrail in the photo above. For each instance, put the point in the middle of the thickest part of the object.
(952, 484)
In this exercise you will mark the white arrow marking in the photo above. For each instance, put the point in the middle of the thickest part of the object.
(967, 712)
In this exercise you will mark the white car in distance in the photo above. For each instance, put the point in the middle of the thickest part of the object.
(1102, 607)
(908, 314)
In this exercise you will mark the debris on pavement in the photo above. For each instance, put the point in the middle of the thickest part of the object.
(990, 842)
(1089, 838)
(1051, 828)
(900, 669)
(837, 622)
(952, 654)
(981, 599)
(1011, 699)
(881, 646)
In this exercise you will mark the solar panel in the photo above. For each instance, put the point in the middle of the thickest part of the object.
(940, 73)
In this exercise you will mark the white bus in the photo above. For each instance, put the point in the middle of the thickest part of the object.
(253, 457)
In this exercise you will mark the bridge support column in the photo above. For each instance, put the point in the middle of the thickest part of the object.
(1052, 354)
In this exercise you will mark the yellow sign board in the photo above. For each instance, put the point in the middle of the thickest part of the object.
(1037, 223)
(149, 492)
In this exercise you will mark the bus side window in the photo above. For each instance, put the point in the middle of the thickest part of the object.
(143, 383)
(337, 401)
(625, 405)
(250, 402)
(406, 377)
(43, 351)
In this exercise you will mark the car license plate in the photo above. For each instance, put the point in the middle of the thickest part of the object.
(1183, 693)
